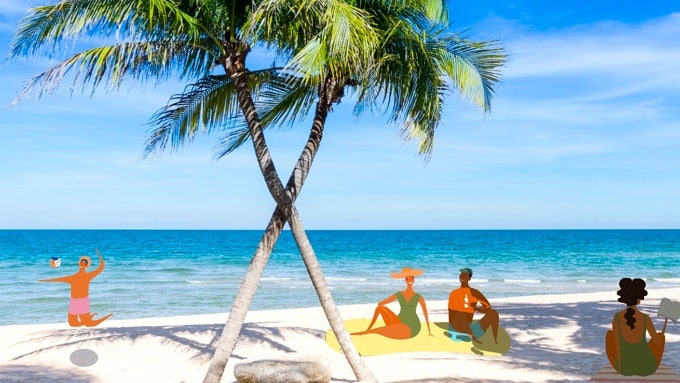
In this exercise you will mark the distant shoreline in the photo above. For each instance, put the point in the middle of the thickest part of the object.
(649, 306)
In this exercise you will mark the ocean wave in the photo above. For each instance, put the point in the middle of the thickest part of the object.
(119, 290)
(436, 281)
(276, 279)
(668, 280)
(369, 283)
(446, 281)
(581, 281)
(45, 299)
(180, 270)
(346, 279)
(522, 281)
(331, 281)
(194, 282)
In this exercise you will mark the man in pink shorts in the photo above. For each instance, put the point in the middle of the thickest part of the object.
(79, 307)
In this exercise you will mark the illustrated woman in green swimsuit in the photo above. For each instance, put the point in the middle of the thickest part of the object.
(626, 344)
(406, 324)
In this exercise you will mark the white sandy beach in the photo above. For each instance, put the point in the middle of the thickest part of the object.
(554, 339)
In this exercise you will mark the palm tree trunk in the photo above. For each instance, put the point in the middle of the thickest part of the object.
(328, 94)
(284, 199)
(232, 328)
(264, 159)
(360, 369)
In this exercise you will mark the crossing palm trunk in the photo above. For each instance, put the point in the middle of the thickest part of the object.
(232, 328)
(360, 369)
(235, 66)
(285, 199)
(328, 94)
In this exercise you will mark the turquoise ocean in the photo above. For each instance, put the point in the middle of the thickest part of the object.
(164, 272)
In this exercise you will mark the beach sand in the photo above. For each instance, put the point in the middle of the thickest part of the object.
(555, 338)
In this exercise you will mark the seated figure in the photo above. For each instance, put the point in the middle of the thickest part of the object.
(406, 324)
(462, 306)
(626, 343)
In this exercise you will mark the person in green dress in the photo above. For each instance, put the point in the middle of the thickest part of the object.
(406, 324)
(626, 343)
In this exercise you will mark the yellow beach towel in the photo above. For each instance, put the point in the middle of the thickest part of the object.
(374, 344)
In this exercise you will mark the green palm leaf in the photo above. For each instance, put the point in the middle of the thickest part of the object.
(46, 26)
(111, 64)
(212, 104)
(179, 121)
(284, 100)
(321, 36)
(418, 68)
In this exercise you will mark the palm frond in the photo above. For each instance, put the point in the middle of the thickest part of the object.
(111, 64)
(474, 67)
(287, 99)
(320, 35)
(44, 27)
(283, 100)
(418, 13)
(234, 139)
(418, 69)
(209, 104)
(206, 104)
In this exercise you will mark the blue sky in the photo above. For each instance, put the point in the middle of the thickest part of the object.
(584, 133)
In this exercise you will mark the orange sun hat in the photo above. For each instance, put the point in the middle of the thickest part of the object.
(406, 272)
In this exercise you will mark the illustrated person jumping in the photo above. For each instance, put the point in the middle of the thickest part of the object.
(79, 306)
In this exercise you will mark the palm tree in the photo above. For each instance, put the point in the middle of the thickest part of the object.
(416, 100)
(155, 39)
(179, 42)
(413, 90)
(178, 120)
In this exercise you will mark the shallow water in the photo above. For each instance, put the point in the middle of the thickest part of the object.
(164, 273)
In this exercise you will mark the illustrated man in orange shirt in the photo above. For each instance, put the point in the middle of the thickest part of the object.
(462, 306)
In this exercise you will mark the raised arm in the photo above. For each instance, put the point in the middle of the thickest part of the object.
(652, 330)
(100, 268)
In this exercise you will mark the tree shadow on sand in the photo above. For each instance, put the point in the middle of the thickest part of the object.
(581, 352)
(35, 374)
(179, 336)
(535, 347)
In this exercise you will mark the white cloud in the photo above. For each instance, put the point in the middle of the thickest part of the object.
(601, 89)
(612, 49)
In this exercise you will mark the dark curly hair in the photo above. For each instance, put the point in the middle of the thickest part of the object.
(631, 291)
